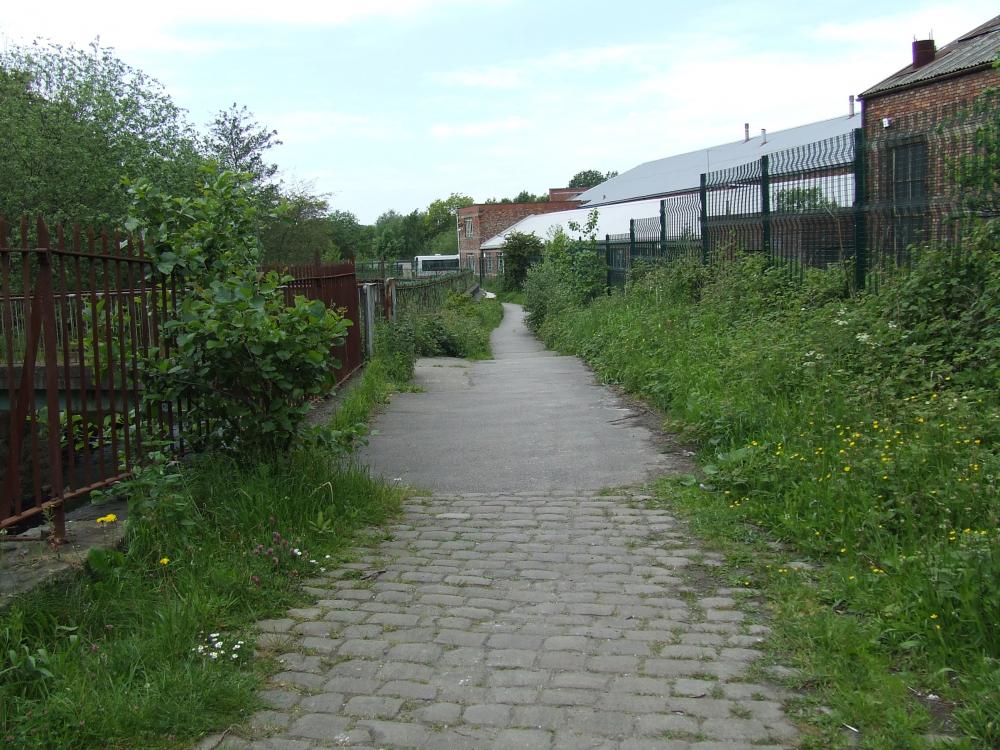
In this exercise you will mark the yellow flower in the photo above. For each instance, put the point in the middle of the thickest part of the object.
(110, 518)
(934, 616)
(164, 560)
(847, 468)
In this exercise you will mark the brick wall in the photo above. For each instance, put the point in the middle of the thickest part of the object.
(916, 115)
(911, 108)
(489, 219)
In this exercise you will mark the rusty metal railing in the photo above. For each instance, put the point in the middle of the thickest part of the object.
(78, 312)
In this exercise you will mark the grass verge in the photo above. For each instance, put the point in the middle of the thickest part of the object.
(860, 432)
(152, 645)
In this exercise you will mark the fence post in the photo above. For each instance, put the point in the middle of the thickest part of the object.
(482, 263)
(703, 193)
(765, 205)
(631, 243)
(608, 260)
(860, 207)
(663, 228)
(46, 291)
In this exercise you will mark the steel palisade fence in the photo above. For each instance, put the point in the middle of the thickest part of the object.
(78, 311)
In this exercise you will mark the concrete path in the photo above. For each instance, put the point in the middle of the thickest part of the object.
(528, 616)
(525, 420)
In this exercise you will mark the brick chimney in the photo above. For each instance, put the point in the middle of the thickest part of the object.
(923, 52)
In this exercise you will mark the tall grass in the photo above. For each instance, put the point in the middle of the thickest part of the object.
(861, 431)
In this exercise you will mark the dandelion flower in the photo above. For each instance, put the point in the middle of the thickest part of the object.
(164, 561)
(110, 518)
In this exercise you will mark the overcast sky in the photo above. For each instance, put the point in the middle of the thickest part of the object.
(393, 103)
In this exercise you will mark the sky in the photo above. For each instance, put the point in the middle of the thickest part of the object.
(391, 104)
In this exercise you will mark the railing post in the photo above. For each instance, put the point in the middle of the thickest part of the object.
(765, 205)
(703, 194)
(482, 264)
(860, 209)
(46, 292)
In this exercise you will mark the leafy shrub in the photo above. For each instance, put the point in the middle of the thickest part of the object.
(520, 250)
(461, 328)
(247, 363)
(570, 275)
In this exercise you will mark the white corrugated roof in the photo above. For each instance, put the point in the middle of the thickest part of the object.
(611, 220)
(683, 172)
(636, 193)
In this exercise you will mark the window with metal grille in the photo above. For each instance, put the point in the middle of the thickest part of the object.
(908, 165)
(908, 185)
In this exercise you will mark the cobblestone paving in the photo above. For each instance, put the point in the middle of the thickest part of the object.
(522, 622)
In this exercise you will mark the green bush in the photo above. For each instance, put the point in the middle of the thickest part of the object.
(247, 363)
(568, 276)
(461, 328)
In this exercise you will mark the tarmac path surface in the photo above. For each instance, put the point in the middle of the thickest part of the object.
(526, 420)
(521, 605)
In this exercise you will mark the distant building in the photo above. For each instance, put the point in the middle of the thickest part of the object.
(481, 221)
(637, 192)
(910, 156)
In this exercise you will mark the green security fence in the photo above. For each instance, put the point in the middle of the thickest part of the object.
(866, 202)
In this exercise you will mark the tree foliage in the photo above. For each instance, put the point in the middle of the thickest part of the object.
(799, 199)
(525, 196)
(441, 213)
(520, 250)
(239, 143)
(75, 123)
(589, 178)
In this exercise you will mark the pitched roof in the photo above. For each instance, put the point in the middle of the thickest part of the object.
(683, 172)
(977, 48)
(611, 220)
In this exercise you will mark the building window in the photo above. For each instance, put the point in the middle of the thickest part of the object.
(907, 163)
(468, 227)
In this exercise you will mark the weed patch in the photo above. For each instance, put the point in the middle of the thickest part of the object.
(858, 432)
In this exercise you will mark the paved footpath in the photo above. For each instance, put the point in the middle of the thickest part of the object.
(523, 619)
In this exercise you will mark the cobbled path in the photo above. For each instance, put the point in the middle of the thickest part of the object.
(564, 621)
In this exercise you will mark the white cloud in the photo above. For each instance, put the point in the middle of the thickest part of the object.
(160, 27)
(480, 129)
(492, 77)
(310, 127)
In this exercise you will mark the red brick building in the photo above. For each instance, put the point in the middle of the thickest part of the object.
(480, 222)
(914, 131)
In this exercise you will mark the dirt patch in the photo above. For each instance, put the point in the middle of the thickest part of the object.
(26, 565)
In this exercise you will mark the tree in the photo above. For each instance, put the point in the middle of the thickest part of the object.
(299, 230)
(351, 238)
(388, 240)
(76, 122)
(589, 178)
(520, 250)
(799, 199)
(238, 143)
(440, 216)
(524, 196)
